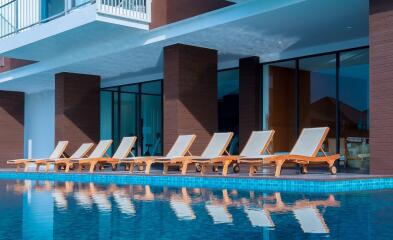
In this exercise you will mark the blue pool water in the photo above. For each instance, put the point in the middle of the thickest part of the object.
(31, 209)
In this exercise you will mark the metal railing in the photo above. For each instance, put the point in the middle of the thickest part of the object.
(28, 14)
(139, 10)
(20, 15)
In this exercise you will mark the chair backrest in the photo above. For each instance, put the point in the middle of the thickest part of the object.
(181, 146)
(257, 143)
(82, 150)
(59, 150)
(101, 149)
(127, 143)
(217, 145)
(310, 141)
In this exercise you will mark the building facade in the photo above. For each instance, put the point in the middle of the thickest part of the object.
(89, 70)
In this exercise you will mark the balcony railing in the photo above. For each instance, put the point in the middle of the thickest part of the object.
(20, 15)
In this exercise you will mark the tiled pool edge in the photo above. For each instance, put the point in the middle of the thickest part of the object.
(262, 184)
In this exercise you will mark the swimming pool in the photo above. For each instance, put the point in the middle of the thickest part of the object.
(35, 209)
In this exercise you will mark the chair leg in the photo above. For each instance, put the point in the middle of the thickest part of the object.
(148, 166)
(225, 168)
(203, 169)
(17, 167)
(67, 168)
(131, 167)
(251, 171)
(184, 168)
(27, 166)
(47, 166)
(279, 164)
(37, 167)
(165, 170)
(92, 167)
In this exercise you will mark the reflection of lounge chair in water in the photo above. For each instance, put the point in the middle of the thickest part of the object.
(124, 202)
(148, 195)
(259, 217)
(218, 209)
(311, 220)
(181, 205)
(306, 212)
(60, 194)
(100, 198)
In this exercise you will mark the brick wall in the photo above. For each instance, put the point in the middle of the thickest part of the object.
(77, 102)
(381, 86)
(11, 63)
(169, 11)
(249, 98)
(190, 94)
(11, 126)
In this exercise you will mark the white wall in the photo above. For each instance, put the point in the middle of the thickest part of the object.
(40, 122)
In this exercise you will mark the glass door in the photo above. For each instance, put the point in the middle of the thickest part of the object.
(133, 110)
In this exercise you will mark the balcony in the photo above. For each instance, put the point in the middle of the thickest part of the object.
(20, 15)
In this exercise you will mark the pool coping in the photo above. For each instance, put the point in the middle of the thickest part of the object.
(282, 184)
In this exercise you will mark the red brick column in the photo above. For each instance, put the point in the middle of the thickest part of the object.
(190, 94)
(169, 11)
(77, 103)
(12, 106)
(249, 98)
(381, 86)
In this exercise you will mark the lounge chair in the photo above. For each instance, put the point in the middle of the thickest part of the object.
(304, 152)
(79, 153)
(214, 153)
(176, 155)
(57, 153)
(257, 144)
(124, 149)
(98, 153)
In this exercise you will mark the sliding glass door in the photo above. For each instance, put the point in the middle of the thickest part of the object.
(133, 110)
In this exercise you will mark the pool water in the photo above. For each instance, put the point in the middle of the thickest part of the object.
(68, 210)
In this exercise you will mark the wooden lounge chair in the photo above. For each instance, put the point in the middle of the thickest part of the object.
(305, 152)
(176, 155)
(79, 153)
(257, 144)
(98, 153)
(57, 153)
(214, 153)
(124, 149)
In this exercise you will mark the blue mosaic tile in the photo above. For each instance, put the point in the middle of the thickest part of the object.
(261, 184)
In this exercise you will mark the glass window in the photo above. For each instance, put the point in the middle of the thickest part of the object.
(152, 87)
(106, 116)
(127, 115)
(127, 112)
(317, 95)
(279, 103)
(53, 8)
(130, 88)
(228, 105)
(354, 108)
(151, 125)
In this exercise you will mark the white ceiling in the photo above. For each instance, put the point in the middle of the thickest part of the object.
(305, 27)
